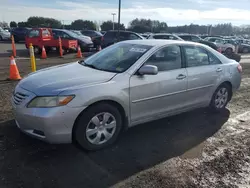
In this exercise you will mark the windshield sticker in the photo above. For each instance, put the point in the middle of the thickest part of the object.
(140, 50)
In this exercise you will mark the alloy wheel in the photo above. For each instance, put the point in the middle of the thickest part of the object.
(101, 128)
(221, 98)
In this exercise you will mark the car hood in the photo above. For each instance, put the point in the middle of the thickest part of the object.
(54, 80)
(84, 40)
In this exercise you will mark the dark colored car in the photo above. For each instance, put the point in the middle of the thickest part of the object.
(20, 33)
(96, 36)
(195, 38)
(111, 37)
(167, 36)
(85, 44)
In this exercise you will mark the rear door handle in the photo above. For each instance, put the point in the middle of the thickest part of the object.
(219, 70)
(180, 77)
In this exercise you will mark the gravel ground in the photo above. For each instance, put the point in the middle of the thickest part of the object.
(194, 149)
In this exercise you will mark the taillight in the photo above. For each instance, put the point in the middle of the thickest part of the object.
(239, 67)
(102, 39)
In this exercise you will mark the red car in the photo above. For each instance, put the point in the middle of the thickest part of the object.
(40, 37)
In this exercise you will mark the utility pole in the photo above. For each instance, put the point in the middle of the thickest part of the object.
(113, 20)
(119, 20)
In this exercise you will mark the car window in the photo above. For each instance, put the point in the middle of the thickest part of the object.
(213, 60)
(45, 33)
(168, 58)
(195, 38)
(117, 58)
(196, 56)
(109, 35)
(33, 33)
(65, 35)
(132, 36)
(188, 38)
(56, 34)
(220, 41)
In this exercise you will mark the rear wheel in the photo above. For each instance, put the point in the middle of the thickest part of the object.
(98, 127)
(221, 97)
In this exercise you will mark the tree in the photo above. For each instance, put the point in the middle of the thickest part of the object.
(108, 25)
(147, 25)
(35, 21)
(22, 24)
(83, 24)
(13, 24)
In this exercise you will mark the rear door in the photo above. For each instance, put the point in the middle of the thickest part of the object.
(204, 71)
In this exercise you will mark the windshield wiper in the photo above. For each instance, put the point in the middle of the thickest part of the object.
(88, 65)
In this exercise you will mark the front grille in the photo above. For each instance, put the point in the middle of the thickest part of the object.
(18, 98)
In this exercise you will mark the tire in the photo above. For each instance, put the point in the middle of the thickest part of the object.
(37, 50)
(97, 133)
(1, 38)
(229, 51)
(221, 97)
(245, 50)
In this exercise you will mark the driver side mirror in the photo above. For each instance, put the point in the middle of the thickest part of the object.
(148, 70)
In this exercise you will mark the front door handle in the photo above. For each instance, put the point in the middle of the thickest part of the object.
(180, 77)
(219, 70)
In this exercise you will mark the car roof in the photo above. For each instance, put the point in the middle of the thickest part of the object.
(162, 34)
(160, 42)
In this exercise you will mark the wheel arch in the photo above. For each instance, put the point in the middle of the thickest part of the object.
(114, 103)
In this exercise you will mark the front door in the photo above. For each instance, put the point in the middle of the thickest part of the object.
(153, 95)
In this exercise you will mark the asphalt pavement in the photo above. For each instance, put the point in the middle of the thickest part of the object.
(27, 162)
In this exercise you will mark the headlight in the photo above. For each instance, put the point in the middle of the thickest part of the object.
(52, 101)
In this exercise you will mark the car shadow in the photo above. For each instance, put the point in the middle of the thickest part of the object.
(24, 160)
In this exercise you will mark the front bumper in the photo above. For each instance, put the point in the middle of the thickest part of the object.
(5, 37)
(53, 125)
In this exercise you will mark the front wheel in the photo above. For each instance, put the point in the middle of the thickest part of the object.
(98, 127)
(221, 97)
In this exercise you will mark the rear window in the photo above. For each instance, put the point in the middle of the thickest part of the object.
(34, 33)
(45, 33)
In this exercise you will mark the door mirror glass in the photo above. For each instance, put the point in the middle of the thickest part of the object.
(148, 70)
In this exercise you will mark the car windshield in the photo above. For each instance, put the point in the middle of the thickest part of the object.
(72, 34)
(116, 58)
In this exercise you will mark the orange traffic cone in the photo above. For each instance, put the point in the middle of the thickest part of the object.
(14, 73)
(79, 52)
(100, 48)
(44, 55)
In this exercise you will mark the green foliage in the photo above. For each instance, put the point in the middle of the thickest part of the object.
(147, 25)
(108, 25)
(83, 25)
(22, 24)
(13, 24)
(35, 21)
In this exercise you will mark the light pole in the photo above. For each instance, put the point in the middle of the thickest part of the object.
(113, 20)
(119, 20)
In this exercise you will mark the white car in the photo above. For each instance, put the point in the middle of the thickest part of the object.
(223, 44)
(4, 35)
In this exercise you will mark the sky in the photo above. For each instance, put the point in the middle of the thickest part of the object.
(173, 12)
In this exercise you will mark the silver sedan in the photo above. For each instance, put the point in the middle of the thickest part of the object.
(129, 83)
